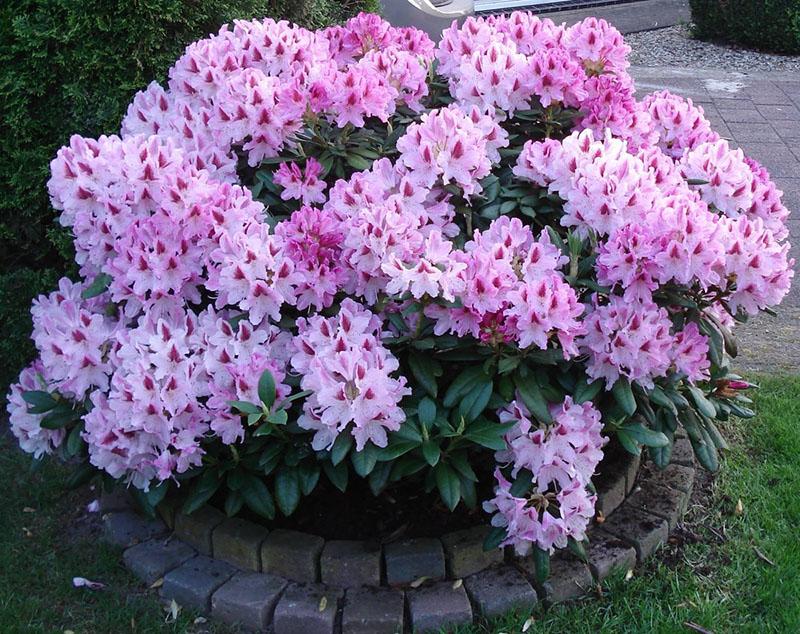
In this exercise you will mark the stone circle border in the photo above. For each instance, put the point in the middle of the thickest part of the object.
(288, 582)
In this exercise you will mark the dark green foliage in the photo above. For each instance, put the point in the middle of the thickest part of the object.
(17, 289)
(771, 25)
(70, 67)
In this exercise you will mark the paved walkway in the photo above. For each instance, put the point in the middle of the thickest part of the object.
(761, 114)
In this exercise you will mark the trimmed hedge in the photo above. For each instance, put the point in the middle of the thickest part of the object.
(67, 67)
(770, 25)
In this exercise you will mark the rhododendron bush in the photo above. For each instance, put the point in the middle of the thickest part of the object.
(320, 256)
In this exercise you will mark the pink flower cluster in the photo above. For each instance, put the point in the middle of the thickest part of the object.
(562, 457)
(347, 370)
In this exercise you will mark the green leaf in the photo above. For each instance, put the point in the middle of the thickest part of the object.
(533, 398)
(233, 503)
(204, 488)
(541, 563)
(81, 475)
(358, 163)
(341, 447)
(337, 474)
(74, 441)
(287, 490)
(704, 406)
(308, 473)
(462, 384)
(703, 445)
(460, 463)
(266, 388)
(364, 461)
(426, 411)
(578, 549)
(448, 484)
(279, 417)
(522, 484)
(659, 397)
(395, 449)
(488, 433)
(58, 418)
(624, 396)
(379, 477)
(645, 435)
(495, 537)
(245, 408)
(426, 370)
(474, 402)
(39, 402)
(508, 364)
(585, 391)
(97, 287)
(431, 452)
(662, 455)
(258, 498)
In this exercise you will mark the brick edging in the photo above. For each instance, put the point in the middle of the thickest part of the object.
(291, 581)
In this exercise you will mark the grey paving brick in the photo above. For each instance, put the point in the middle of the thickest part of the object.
(662, 501)
(677, 476)
(410, 559)
(152, 559)
(464, 553)
(126, 528)
(373, 611)
(611, 493)
(607, 553)
(498, 590)
(643, 531)
(753, 132)
(307, 609)
(196, 529)
(192, 583)
(569, 579)
(435, 607)
(780, 113)
(632, 471)
(249, 599)
(682, 452)
(292, 554)
(742, 115)
(350, 563)
(238, 542)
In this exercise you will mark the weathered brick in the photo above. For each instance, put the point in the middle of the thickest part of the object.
(643, 531)
(292, 555)
(611, 493)
(411, 559)
(126, 528)
(196, 529)
(464, 553)
(373, 611)
(238, 542)
(568, 579)
(438, 606)
(631, 472)
(607, 553)
(677, 476)
(307, 609)
(192, 584)
(659, 500)
(249, 599)
(152, 559)
(682, 452)
(348, 564)
(498, 590)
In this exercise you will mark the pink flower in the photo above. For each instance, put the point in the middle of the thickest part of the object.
(304, 185)
(26, 427)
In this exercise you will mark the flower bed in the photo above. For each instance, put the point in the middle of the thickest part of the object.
(324, 256)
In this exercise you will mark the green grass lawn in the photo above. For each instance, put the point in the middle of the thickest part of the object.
(715, 577)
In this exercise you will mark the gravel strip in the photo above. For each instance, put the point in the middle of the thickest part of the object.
(674, 46)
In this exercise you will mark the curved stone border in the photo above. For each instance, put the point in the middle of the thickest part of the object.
(287, 581)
